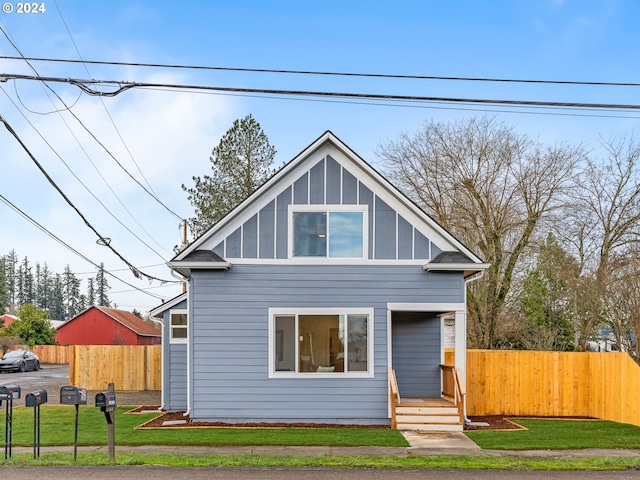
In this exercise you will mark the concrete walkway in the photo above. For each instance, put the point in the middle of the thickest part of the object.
(430, 444)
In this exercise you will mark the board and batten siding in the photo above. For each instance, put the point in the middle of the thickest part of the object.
(174, 393)
(415, 341)
(265, 234)
(229, 334)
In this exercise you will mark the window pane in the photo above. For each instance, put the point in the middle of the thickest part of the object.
(178, 332)
(357, 345)
(178, 319)
(310, 235)
(321, 343)
(346, 234)
(285, 351)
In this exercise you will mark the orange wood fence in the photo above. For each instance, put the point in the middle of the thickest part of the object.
(549, 384)
(129, 368)
(58, 354)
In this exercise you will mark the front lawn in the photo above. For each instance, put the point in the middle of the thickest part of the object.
(548, 434)
(57, 428)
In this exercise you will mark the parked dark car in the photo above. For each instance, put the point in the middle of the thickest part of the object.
(19, 361)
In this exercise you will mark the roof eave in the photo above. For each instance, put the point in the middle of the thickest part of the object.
(468, 269)
(185, 268)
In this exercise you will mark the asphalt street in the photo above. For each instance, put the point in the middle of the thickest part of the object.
(174, 473)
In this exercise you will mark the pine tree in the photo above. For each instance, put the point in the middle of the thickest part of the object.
(71, 293)
(240, 163)
(102, 287)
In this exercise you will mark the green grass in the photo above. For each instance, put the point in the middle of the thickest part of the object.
(545, 434)
(350, 461)
(57, 428)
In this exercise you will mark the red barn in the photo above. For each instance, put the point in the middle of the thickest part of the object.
(8, 320)
(107, 326)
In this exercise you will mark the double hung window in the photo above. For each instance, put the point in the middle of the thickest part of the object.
(179, 326)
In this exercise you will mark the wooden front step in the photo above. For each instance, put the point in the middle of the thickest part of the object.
(429, 415)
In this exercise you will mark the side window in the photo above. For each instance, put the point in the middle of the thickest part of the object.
(179, 326)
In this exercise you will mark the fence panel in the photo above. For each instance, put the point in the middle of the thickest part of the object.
(553, 384)
(57, 354)
(129, 368)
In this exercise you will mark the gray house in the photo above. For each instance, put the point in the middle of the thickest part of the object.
(300, 300)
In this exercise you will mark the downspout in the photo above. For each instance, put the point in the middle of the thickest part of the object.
(189, 321)
(164, 337)
(467, 281)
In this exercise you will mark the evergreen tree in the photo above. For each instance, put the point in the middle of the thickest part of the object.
(240, 163)
(70, 293)
(102, 287)
(11, 268)
(25, 283)
(91, 292)
(548, 298)
(4, 292)
(57, 309)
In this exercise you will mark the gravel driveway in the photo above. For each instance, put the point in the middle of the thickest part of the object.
(53, 377)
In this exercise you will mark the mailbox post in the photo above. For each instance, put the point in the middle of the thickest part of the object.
(107, 403)
(8, 393)
(70, 395)
(35, 399)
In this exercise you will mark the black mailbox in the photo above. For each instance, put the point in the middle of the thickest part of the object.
(70, 395)
(36, 398)
(9, 392)
(105, 399)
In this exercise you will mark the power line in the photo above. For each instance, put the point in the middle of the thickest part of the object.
(327, 73)
(69, 247)
(136, 272)
(113, 123)
(87, 87)
(91, 192)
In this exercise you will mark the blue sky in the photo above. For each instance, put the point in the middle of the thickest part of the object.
(168, 135)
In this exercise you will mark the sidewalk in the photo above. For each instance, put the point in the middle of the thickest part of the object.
(420, 445)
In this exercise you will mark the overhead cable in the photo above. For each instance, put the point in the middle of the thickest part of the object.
(326, 73)
(88, 86)
(134, 270)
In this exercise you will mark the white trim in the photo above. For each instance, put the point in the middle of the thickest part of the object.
(426, 307)
(328, 209)
(295, 312)
(389, 361)
(178, 311)
(167, 305)
(199, 265)
(325, 261)
(328, 144)
(455, 267)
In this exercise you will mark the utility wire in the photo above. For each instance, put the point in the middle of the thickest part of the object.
(136, 272)
(85, 153)
(152, 195)
(69, 247)
(326, 73)
(91, 192)
(113, 123)
(87, 87)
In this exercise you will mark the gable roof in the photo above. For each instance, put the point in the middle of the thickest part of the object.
(126, 319)
(193, 257)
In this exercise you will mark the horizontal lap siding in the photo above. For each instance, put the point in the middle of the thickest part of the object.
(230, 338)
(174, 371)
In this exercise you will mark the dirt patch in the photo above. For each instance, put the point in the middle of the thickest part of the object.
(495, 422)
(166, 421)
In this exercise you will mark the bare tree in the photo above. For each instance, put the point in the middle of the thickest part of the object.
(491, 187)
(603, 226)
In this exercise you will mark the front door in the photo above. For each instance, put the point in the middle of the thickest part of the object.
(416, 353)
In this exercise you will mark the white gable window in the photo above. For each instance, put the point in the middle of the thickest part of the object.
(329, 342)
(179, 326)
(329, 232)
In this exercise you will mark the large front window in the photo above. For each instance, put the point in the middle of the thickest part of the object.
(332, 234)
(328, 342)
